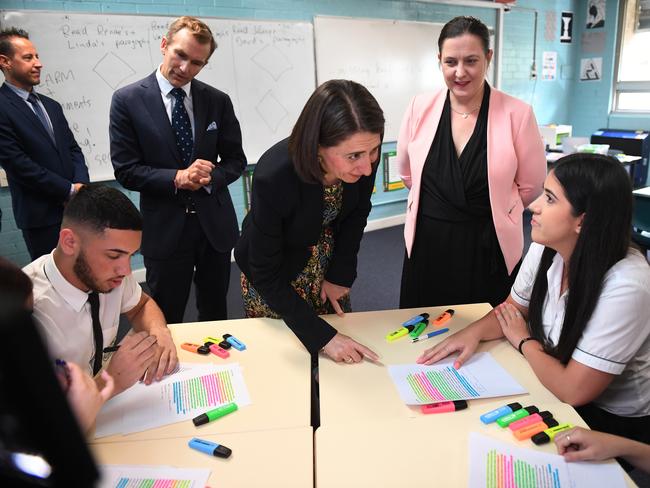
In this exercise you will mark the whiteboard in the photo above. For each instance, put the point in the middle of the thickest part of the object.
(395, 60)
(267, 68)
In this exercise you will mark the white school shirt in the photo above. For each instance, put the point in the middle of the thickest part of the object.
(62, 312)
(616, 339)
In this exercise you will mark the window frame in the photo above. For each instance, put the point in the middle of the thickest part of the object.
(625, 86)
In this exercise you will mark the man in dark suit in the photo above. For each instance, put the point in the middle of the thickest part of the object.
(177, 141)
(43, 162)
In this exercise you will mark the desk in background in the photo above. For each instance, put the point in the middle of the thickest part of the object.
(277, 372)
(629, 162)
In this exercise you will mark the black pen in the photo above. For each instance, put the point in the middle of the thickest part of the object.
(111, 349)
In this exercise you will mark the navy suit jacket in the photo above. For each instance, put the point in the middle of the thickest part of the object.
(40, 173)
(146, 159)
(284, 223)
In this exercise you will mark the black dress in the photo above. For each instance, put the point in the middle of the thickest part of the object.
(456, 257)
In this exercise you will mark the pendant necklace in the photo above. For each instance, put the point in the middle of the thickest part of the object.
(464, 114)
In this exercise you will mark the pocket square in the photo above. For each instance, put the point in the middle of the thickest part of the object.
(212, 126)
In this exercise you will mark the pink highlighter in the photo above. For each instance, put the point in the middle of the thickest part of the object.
(219, 351)
(444, 407)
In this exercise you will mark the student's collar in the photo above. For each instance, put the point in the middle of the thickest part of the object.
(75, 297)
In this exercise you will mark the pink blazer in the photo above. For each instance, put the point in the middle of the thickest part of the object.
(515, 156)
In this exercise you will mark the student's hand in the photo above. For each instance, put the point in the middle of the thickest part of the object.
(330, 291)
(342, 348)
(465, 342)
(580, 444)
(165, 360)
(512, 322)
(84, 395)
(131, 361)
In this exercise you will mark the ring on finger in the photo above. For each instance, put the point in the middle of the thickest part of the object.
(348, 360)
(568, 439)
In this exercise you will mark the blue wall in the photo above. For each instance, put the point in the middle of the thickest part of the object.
(564, 100)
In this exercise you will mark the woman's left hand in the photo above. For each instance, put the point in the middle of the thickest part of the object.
(512, 322)
(330, 291)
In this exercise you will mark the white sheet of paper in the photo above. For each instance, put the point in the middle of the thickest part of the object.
(180, 396)
(480, 377)
(119, 475)
(497, 464)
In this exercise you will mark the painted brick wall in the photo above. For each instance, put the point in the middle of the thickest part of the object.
(549, 99)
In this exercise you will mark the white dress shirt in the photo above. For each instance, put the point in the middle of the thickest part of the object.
(62, 312)
(616, 339)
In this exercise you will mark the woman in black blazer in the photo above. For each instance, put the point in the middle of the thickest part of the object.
(309, 205)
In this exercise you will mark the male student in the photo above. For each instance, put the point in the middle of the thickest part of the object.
(43, 162)
(85, 284)
(177, 141)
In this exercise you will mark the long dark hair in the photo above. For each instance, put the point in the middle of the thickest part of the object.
(598, 187)
(337, 110)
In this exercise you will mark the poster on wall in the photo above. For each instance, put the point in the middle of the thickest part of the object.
(591, 69)
(549, 65)
(595, 14)
(566, 27)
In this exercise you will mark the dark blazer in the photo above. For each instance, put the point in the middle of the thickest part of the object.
(284, 222)
(40, 173)
(145, 159)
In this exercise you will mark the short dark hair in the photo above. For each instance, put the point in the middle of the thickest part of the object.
(600, 188)
(337, 110)
(13, 282)
(200, 31)
(6, 47)
(465, 25)
(100, 207)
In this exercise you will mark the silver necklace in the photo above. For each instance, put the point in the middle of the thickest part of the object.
(464, 114)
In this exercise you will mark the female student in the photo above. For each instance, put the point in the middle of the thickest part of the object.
(472, 158)
(579, 310)
(309, 206)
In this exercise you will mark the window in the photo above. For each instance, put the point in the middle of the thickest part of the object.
(633, 80)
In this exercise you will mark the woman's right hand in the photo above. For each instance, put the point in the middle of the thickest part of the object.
(465, 342)
(342, 348)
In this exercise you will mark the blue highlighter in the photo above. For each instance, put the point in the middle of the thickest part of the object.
(236, 343)
(211, 448)
(492, 416)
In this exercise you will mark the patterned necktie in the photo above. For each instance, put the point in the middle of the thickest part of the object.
(98, 336)
(33, 99)
(181, 126)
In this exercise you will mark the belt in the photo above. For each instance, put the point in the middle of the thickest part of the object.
(190, 208)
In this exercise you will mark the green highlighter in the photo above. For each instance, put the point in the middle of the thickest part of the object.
(215, 414)
(516, 415)
(419, 328)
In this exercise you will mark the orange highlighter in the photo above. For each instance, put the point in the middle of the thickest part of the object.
(443, 317)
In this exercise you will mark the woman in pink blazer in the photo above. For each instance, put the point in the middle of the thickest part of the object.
(472, 158)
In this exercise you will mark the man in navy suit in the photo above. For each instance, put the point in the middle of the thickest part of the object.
(43, 162)
(177, 141)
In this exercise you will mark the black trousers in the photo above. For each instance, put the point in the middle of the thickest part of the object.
(41, 240)
(170, 279)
